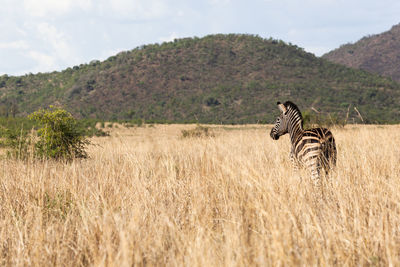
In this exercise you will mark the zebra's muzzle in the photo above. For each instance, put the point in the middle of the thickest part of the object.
(274, 136)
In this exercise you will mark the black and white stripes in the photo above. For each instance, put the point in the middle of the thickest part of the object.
(314, 149)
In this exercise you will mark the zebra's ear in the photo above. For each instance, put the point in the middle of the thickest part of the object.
(281, 107)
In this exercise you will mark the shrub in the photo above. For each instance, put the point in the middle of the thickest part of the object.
(199, 131)
(88, 128)
(58, 137)
(312, 119)
(212, 102)
(19, 142)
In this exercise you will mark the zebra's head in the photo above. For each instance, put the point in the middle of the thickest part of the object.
(280, 127)
(289, 120)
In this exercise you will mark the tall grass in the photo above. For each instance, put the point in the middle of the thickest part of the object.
(146, 196)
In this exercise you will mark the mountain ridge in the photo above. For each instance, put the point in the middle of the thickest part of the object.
(378, 53)
(234, 78)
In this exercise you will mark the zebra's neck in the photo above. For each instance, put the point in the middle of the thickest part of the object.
(295, 127)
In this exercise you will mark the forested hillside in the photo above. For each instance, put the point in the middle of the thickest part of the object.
(215, 79)
(378, 53)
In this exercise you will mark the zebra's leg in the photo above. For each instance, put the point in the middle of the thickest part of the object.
(315, 170)
(313, 165)
(295, 166)
(294, 162)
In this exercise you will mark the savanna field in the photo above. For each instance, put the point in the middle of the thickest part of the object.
(149, 196)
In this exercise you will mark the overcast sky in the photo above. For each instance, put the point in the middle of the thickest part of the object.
(47, 35)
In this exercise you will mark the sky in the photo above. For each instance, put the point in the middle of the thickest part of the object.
(52, 35)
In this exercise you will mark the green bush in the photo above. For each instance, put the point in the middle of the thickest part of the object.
(87, 127)
(312, 119)
(58, 137)
(19, 142)
(199, 131)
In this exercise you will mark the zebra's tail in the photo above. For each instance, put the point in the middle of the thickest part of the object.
(329, 153)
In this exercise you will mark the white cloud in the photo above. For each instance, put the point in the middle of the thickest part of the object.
(60, 47)
(318, 50)
(50, 49)
(47, 35)
(44, 8)
(108, 53)
(169, 38)
(49, 32)
(14, 45)
(44, 62)
(134, 9)
(219, 2)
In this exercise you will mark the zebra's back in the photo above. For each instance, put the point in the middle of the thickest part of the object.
(316, 148)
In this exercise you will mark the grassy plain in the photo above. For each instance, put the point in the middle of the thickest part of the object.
(147, 196)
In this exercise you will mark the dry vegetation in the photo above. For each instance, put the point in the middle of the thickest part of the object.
(147, 196)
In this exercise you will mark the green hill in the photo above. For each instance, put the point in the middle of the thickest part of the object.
(215, 79)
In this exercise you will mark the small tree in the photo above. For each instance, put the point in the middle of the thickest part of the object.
(59, 137)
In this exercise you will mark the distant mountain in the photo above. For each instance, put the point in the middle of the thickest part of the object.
(216, 79)
(377, 53)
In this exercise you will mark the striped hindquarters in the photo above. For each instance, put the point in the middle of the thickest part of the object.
(316, 149)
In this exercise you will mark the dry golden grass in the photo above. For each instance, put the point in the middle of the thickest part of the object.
(149, 197)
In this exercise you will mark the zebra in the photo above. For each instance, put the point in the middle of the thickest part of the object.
(313, 149)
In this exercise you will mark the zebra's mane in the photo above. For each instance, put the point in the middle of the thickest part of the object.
(291, 105)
